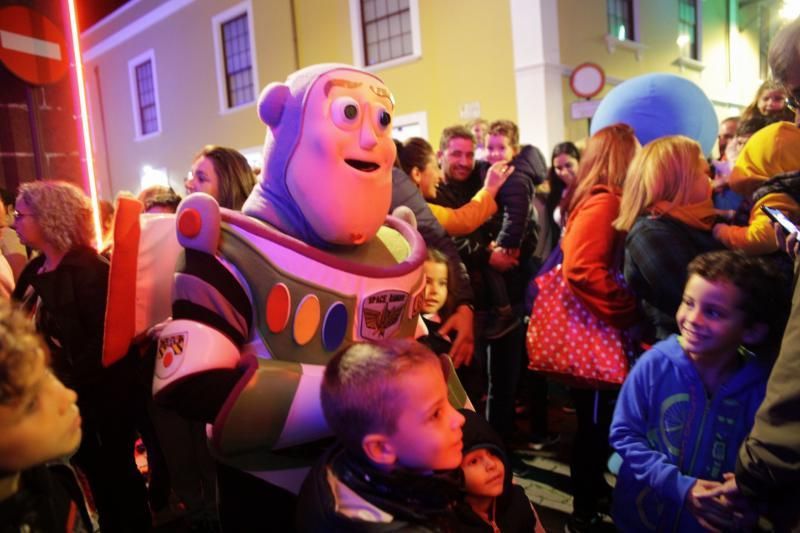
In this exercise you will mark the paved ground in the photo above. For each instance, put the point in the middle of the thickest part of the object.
(545, 475)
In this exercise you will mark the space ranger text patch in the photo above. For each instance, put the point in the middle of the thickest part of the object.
(381, 313)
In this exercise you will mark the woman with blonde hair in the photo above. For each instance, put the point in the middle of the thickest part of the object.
(592, 251)
(668, 213)
(64, 290)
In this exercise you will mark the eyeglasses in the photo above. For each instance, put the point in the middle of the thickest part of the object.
(18, 215)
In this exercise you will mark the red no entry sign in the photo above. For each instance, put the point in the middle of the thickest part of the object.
(31, 46)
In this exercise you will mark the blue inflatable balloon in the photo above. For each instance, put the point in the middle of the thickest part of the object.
(655, 105)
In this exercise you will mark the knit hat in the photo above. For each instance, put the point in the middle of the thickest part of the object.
(479, 434)
(770, 151)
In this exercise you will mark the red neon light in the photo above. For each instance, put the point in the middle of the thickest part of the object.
(85, 134)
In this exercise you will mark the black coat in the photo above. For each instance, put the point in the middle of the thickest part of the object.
(72, 312)
(71, 318)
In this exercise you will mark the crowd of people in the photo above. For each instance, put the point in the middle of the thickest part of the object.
(650, 282)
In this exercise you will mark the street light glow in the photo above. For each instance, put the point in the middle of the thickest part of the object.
(790, 9)
(84, 111)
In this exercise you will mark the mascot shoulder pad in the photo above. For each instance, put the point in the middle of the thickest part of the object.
(198, 224)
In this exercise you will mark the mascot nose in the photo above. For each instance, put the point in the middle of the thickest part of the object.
(367, 138)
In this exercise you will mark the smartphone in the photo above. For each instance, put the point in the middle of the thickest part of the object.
(780, 218)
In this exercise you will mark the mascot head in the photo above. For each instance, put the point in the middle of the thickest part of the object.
(328, 156)
(655, 105)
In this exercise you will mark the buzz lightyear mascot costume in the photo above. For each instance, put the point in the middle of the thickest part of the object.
(262, 299)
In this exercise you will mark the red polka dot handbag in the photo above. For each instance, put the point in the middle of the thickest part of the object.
(568, 342)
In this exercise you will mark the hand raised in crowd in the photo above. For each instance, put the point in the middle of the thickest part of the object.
(462, 321)
(496, 176)
(503, 259)
(787, 243)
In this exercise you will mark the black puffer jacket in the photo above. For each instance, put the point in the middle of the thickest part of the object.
(417, 503)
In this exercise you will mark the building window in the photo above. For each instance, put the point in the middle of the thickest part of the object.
(144, 92)
(410, 125)
(386, 26)
(236, 73)
(238, 69)
(687, 28)
(621, 20)
(385, 32)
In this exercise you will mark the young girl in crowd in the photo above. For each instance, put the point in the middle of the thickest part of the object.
(592, 258)
(770, 100)
(668, 213)
(437, 307)
(492, 502)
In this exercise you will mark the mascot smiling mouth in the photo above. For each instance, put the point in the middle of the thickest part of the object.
(363, 166)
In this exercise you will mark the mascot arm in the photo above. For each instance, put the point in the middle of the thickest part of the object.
(274, 405)
(196, 368)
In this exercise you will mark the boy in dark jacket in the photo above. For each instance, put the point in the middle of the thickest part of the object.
(39, 422)
(395, 466)
(492, 501)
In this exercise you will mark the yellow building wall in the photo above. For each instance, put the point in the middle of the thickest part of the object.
(466, 57)
(187, 92)
(583, 25)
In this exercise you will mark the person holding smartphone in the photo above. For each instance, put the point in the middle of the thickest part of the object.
(766, 169)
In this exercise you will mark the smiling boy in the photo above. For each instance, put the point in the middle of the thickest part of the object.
(690, 401)
(400, 440)
(39, 422)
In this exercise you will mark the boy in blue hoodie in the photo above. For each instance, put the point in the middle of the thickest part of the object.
(690, 401)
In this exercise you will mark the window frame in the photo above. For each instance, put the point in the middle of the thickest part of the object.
(358, 38)
(217, 21)
(408, 119)
(634, 12)
(697, 53)
(144, 57)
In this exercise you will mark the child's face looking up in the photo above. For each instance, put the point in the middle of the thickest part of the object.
(42, 424)
(710, 321)
(428, 433)
(435, 287)
(499, 149)
(484, 473)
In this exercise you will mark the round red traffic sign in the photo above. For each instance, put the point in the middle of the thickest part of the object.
(31, 46)
(587, 80)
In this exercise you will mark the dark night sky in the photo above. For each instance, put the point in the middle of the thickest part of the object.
(91, 11)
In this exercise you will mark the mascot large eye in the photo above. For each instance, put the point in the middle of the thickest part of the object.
(383, 118)
(345, 111)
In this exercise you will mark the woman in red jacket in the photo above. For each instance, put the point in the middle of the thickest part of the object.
(592, 260)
